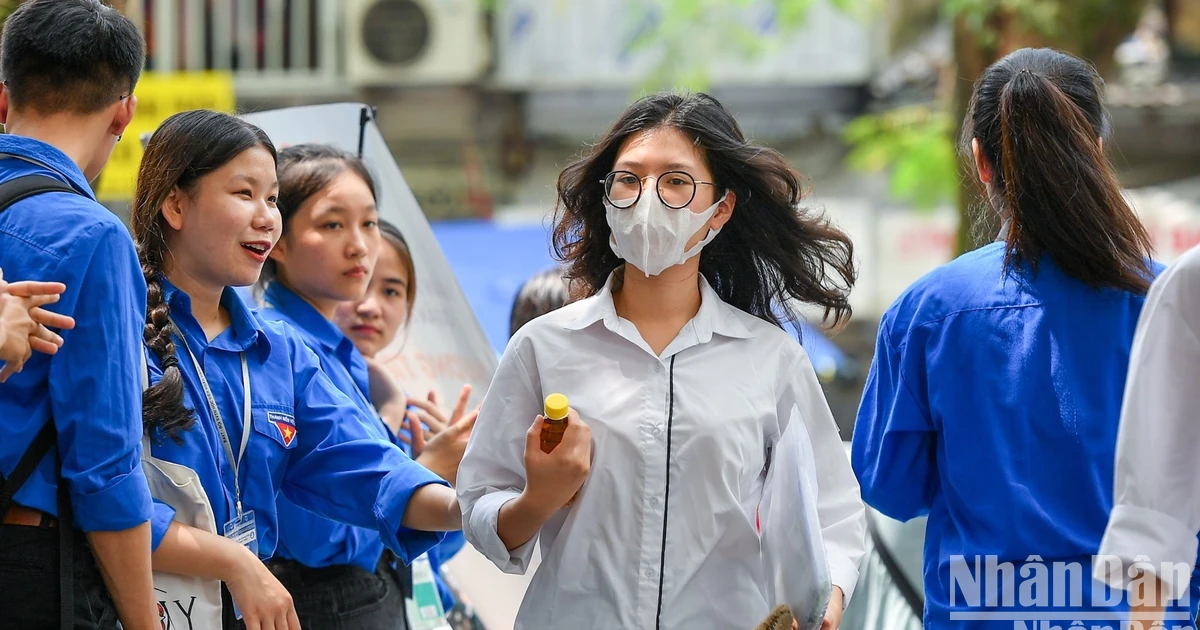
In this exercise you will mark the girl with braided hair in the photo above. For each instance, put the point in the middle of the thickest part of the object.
(241, 401)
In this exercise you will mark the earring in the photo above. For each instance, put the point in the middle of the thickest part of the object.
(119, 136)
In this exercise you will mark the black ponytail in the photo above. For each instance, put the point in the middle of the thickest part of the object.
(1038, 118)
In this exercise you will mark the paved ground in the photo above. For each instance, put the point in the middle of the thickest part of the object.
(495, 595)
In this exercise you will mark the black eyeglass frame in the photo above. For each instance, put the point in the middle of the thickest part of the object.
(657, 190)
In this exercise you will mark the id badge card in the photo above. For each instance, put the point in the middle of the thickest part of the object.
(243, 531)
(425, 610)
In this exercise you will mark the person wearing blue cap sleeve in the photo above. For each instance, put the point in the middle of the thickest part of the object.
(242, 401)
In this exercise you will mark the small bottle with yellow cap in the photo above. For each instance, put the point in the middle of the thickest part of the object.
(556, 409)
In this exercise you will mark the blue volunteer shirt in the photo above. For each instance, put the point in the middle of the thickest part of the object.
(89, 389)
(308, 440)
(992, 406)
(309, 539)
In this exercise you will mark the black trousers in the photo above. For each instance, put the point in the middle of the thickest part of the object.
(29, 582)
(343, 597)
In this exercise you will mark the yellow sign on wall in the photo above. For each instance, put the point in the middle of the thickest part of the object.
(160, 95)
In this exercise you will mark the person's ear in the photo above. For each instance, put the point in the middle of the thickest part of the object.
(173, 209)
(123, 115)
(724, 211)
(982, 166)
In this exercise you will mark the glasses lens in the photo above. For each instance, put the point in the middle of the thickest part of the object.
(622, 189)
(676, 189)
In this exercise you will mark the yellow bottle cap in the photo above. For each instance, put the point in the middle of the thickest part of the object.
(556, 407)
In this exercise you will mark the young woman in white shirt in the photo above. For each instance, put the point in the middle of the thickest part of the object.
(704, 463)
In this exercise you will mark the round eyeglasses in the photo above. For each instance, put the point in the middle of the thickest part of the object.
(676, 189)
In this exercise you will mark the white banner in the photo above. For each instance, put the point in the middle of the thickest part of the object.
(443, 346)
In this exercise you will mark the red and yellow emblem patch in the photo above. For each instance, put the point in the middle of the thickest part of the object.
(287, 431)
(286, 425)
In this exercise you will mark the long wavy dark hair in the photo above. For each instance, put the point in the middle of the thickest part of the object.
(772, 254)
(183, 150)
(1038, 118)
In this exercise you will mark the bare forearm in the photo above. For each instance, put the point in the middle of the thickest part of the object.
(433, 508)
(393, 414)
(194, 552)
(124, 561)
(520, 520)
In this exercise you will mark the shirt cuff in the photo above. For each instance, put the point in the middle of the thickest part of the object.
(123, 504)
(450, 546)
(160, 522)
(394, 494)
(482, 532)
(843, 574)
(1157, 542)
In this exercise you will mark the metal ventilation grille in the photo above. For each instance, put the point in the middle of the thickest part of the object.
(396, 32)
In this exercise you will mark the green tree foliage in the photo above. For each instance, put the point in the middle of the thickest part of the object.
(928, 174)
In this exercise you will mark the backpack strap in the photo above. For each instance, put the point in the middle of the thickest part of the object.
(28, 463)
(11, 192)
(19, 188)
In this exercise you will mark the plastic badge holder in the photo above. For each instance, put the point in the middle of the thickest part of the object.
(425, 610)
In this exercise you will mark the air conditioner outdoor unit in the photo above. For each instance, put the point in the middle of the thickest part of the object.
(415, 42)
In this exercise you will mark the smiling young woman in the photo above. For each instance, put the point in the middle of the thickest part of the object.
(243, 403)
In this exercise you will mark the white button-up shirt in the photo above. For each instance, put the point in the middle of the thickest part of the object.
(1156, 499)
(732, 408)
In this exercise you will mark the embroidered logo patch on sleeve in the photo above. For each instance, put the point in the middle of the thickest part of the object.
(286, 425)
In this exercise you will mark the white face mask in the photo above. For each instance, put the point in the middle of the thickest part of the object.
(652, 237)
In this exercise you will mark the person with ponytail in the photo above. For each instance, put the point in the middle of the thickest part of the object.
(241, 401)
(338, 574)
(993, 401)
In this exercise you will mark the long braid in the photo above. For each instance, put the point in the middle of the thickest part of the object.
(185, 148)
(162, 404)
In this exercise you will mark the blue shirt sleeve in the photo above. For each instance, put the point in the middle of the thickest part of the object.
(160, 522)
(95, 394)
(895, 444)
(344, 473)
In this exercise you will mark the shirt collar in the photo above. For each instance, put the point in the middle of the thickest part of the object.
(38, 152)
(714, 317)
(304, 316)
(245, 330)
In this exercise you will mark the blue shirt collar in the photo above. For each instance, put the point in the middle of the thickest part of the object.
(321, 335)
(305, 317)
(245, 329)
(38, 152)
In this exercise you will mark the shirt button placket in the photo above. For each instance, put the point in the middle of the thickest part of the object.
(653, 445)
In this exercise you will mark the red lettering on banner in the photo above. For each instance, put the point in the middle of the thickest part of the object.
(926, 240)
(1184, 237)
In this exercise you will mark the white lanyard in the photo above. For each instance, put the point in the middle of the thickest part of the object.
(361, 396)
(216, 412)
